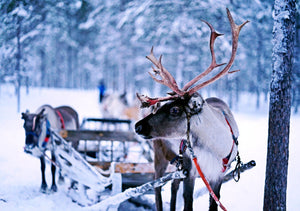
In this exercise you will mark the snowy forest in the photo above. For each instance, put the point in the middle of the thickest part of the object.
(58, 52)
(76, 44)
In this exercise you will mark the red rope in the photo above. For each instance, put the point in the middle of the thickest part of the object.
(61, 119)
(207, 184)
(229, 125)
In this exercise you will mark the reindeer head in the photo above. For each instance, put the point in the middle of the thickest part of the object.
(33, 128)
(170, 120)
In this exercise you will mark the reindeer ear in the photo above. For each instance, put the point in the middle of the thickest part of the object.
(123, 95)
(24, 116)
(41, 112)
(41, 115)
(123, 98)
(195, 103)
(155, 107)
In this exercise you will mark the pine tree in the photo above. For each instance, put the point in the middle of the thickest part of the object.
(280, 105)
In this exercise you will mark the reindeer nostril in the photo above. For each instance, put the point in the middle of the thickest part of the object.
(138, 129)
(143, 129)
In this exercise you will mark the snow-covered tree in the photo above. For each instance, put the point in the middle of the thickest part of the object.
(67, 43)
(280, 105)
(296, 67)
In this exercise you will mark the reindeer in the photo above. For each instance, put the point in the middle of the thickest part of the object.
(209, 124)
(115, 105)
(38, 137)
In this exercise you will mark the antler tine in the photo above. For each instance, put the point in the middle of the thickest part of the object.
(235, 30)
(167, 79)
(152, 58)
(148, 101)
(213, 37)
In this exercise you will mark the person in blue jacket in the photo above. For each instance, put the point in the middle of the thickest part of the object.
(101, 88)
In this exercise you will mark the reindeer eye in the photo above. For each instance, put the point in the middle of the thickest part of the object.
(175, 111)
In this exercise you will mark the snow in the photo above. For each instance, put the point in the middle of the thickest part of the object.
(20, 11)
(20, 177)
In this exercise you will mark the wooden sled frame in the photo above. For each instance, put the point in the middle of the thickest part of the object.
(112, 130)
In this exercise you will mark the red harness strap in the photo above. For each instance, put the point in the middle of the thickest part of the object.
(213, 195)
(229, 125)
(226, 159)
(61, 119)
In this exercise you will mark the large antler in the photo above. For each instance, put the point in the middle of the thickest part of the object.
(213, 65)
(235, 30)
(166, 79)
(169, 81)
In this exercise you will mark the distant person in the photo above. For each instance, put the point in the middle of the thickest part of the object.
(101, 88)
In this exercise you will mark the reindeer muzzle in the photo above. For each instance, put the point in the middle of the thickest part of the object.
(33, 150)
(143, 129)
(28, 148)
(31, 146)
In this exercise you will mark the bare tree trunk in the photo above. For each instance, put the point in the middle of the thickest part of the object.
(296, 73)
(44, 80)
(280, 105)
(18, 65)
(69, 76)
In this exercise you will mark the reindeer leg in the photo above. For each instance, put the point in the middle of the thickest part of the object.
(188, 190)
(43, 188)
(158, 199)
(61, 179)
(53, 170)
(174, 189)
(216, 186)
(188, 185)
(160, 169)
(160, 166)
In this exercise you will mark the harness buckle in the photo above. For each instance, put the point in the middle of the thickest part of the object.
(178, 162)
(237, 170)
(178, 159)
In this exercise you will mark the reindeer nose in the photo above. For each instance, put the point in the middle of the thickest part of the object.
(143, 128)
(138, 129)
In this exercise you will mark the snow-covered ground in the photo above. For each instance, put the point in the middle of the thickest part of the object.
(20, 177)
